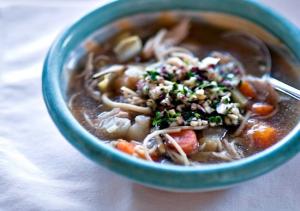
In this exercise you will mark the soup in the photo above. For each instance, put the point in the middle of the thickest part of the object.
(183, 92)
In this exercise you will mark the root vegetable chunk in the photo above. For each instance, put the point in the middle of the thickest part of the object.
(263, 136)
(125, 147)
(187, 140)
(262, 108)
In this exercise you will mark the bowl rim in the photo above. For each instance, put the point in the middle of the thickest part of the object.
(152, 174)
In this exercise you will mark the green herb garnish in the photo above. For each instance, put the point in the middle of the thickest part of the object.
(152, 74)
(215, 119)
(190, 74)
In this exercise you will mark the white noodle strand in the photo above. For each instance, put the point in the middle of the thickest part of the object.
(125, 106)
(178, 148)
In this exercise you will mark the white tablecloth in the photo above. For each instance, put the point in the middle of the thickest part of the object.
(39, 170)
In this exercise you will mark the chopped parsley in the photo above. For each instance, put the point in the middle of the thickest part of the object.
(215, 119)
(193, 94)
(164, 118)
(152, 74)
(190, 74)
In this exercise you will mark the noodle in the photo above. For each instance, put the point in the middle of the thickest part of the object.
(157, 44)
(129, 91)
(242, 125)
(111, 69)
(125, 106)
(230, 148)
(72, 99)
(178, 148)
(88, 120)
(90, 88)
(88, 71)
(177, 158)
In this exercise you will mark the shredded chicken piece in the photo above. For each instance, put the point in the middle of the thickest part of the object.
(242, 125)
(113, 124)
(232, 150)
(153, 44)
(164, 39)
(178, 158)
(165, 131)
(177, 34)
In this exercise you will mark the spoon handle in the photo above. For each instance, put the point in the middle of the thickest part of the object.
(291, 91)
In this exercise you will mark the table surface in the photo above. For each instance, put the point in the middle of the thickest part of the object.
(41, 171)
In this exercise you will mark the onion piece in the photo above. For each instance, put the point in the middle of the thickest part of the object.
(128, 48)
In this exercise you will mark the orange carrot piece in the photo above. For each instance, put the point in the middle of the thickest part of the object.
(142, 155)
(247, 89)
(262, 108)
(187, 140)
(128, 148)
(264, 136)
(125, 146)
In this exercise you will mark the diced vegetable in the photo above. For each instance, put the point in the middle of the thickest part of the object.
(210, 146)
(140, 154)
(187, 140)
(263, 136)
(128, 48)
(238, 97)
(211, 139)
(104, 83)
(128, 148)
(139, 130)
(247, 89)
(262, 108)
(125, 146)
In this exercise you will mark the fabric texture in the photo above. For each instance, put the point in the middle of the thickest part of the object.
(40, 170)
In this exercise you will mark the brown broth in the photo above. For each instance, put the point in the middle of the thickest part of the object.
(203, 39)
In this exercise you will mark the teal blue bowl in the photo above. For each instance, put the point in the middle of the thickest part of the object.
(168, 177)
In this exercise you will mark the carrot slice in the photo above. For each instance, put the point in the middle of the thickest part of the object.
(262, 108)
(247, 89)
(125, 146)
(264, 136)
(187, 140)
(142, 155)
(128, 148)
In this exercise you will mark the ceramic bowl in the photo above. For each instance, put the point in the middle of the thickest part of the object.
(168, 177)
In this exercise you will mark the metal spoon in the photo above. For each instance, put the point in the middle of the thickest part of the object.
(265, 72)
